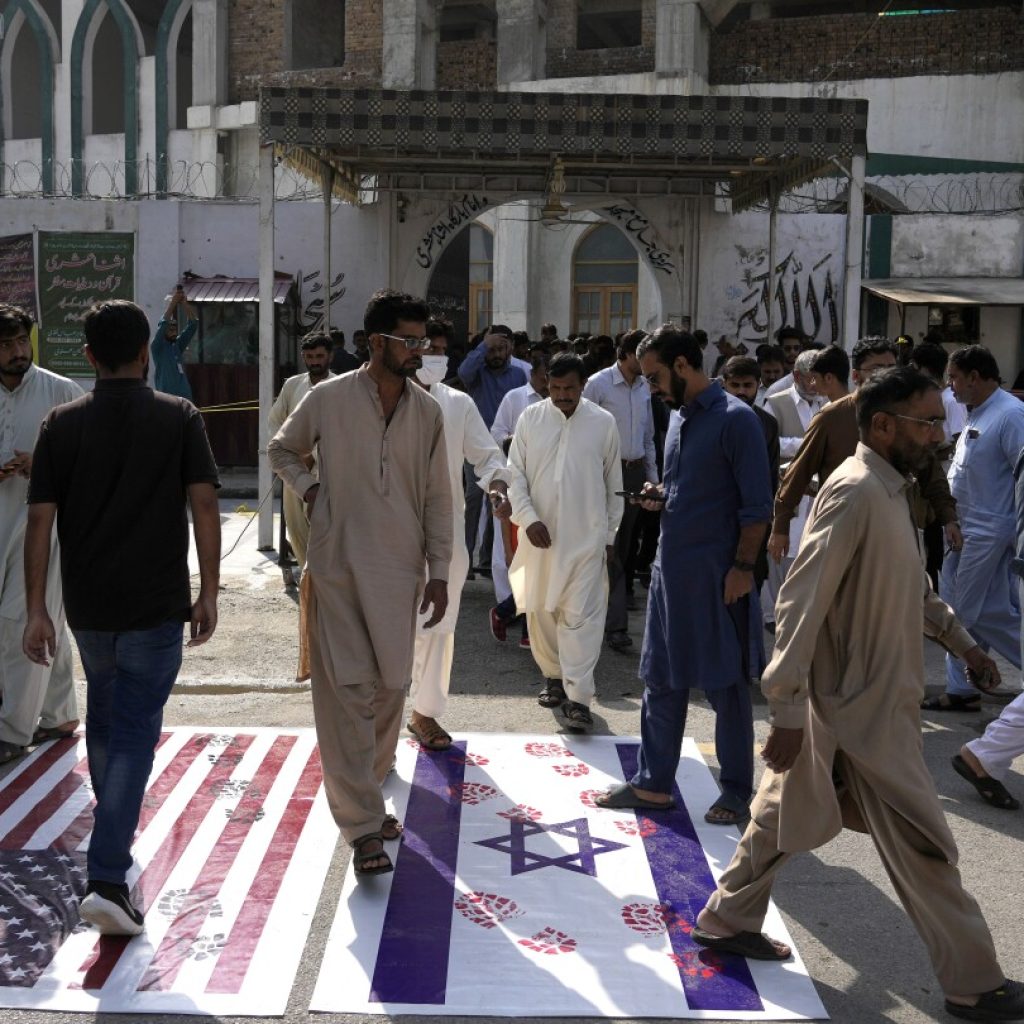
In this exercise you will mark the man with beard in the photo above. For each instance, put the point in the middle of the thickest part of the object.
(843, 688)
(381, 508)
(488, 373)
(316, 354)
(467, 441)
(565, 470)
(701, 613)
(33, 695)
(792, 341)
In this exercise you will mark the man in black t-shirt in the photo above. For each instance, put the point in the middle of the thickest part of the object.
(115, 468)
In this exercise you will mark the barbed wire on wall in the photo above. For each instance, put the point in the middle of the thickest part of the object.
(978, 193)
(185, 180)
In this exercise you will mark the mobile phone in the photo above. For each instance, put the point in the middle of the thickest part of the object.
(638, 496)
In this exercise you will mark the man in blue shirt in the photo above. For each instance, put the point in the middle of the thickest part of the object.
(169, 346)
(488, 374)
(702, 626)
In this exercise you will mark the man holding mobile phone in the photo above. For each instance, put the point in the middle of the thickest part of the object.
(169, 346)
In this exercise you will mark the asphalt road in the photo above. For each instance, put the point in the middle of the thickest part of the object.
(859, 947)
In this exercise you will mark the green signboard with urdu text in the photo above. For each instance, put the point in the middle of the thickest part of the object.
(76, 270)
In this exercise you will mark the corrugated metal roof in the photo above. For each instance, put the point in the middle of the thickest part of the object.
(949, 291)
(234, 289)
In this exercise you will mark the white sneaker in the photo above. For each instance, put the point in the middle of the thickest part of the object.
(107, 907)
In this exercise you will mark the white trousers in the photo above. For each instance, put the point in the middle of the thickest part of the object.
(568, 647)
(432, 672)
(499, 570)
(1002, 741)
(770, 591)
(34, 695)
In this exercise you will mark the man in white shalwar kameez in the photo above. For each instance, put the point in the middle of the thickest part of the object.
(467, 440)
(565, 470)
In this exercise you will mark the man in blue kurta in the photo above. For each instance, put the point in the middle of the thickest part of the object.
(976, 582)
(702, 626)
(169, 344)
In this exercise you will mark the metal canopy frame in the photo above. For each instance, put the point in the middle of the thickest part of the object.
(744, 149)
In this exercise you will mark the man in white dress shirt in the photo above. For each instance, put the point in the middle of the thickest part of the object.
(504, 426)
(622, 390)
(467, 440)
(38, 701)
(316, 354)
(565, 469)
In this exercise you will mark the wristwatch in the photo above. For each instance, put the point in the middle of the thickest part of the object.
(743, 566)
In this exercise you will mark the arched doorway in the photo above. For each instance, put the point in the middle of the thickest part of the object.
(605, 275)
(461, 284)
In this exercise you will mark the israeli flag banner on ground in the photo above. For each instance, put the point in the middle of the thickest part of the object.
(513, 895)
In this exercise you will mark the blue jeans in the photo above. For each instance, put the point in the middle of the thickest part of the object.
(129, 678)
(663, 721)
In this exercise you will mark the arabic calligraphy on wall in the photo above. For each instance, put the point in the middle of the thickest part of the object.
(459, 212)
(640, 229)
(311, 299)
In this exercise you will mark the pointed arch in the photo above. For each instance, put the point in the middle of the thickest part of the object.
(167, 34)
(17, 14)
(81, 54)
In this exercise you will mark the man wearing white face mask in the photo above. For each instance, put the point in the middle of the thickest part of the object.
(468, 440)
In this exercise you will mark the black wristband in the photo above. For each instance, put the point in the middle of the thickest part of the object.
(743, 566)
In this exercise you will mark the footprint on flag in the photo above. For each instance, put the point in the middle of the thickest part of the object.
(697, 963)
(572, 771)
(521, 812)
(487, 909)
(550, 941)
(472, 793)
(644, 828)
(654, 919)
(472, 760)
(588, 796)
(548, 750)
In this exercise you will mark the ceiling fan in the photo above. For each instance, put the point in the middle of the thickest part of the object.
(554, 212)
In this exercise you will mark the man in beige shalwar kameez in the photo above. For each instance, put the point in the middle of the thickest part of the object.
(843, 688)
(381, 509)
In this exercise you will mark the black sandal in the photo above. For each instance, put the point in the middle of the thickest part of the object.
(752, 945)
(952, 702)
(361, 857)
(992, 791)
(575, 716)
(553, 694)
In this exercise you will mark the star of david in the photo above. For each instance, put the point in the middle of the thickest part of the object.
(523, 860)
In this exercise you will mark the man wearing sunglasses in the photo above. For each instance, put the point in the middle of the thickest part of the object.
(380, 510)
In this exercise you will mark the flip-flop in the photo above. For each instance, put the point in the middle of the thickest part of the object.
(553, 694)
(738, 811)
(623, 798)
(992, 791)
(953, 702)
(752, 945)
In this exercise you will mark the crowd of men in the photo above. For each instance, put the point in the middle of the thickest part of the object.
(779, 498)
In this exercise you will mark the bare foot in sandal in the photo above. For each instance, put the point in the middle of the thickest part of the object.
(391, 828)
(429, 732)
(369, 856)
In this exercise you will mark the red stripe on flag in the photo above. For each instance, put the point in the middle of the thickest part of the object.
(177, 942)
(233, 962)
(46, 808)
(73, 835)
(39, 766)
(108, 949)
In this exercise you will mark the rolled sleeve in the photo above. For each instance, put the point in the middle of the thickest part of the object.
(748, 457)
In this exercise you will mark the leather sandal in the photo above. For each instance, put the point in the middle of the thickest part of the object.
(361, 857)
(430, 734)
(553, 694)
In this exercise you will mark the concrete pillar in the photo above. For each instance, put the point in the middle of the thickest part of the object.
(854, 253)
(410, 45)
(265, 524)
(682, 43)
(522, 40)
(512, 264)
(209, 52)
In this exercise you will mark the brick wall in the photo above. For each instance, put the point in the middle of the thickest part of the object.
(256, 48)
(563, 60)
(467, 64)
(848, 46)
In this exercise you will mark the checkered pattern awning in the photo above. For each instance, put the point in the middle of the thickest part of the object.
(743, 139)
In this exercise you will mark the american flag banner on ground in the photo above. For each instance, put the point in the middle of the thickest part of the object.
(231, 853)
(513, 895)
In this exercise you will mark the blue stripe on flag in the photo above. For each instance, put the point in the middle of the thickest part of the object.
(683, 882)
(412, 958)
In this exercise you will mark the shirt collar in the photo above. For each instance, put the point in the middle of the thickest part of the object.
(25, 378)
(119, 383)
(619, 378)
(892, 479)
(707, 399)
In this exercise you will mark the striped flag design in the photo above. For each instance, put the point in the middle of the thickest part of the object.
(514, 895)
(232, 849)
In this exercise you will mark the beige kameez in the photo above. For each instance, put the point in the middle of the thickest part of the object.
(848, 669)
(383, 510)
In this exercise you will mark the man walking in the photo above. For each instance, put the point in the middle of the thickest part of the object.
(114, 469)
(976, 581)
(38, 701)
(169, 346)
(316, 354)
(621, 390)
(467, 441)
(565, 469)
(700, 613)
(381, 508)
(843, 687)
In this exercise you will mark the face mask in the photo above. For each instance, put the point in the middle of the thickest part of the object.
(433, 371)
